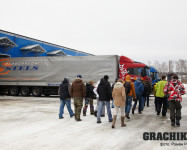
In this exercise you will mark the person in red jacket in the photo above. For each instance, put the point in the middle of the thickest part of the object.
(174, 89)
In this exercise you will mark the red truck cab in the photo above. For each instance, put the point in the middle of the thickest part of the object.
(130, 67)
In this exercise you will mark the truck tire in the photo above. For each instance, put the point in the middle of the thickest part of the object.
(13, 91)
(36, 91)
(25, 91)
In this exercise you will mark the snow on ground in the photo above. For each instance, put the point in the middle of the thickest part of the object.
(30, 123)
(185, 85)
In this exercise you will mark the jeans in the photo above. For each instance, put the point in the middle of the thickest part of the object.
(97, 107)
(128, 104)
(112, 104)
(140, 108)
(107, 104)
(62, 104)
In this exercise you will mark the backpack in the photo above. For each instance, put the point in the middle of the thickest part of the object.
(146, 88)
(127, 86)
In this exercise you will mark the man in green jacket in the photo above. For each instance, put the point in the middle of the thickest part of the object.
(162, 100)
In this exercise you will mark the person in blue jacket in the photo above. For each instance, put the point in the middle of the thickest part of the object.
(139, 88)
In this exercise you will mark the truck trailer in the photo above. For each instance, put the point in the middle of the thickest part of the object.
(43, 75)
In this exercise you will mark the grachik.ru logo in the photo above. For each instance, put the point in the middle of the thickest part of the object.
(3, 64)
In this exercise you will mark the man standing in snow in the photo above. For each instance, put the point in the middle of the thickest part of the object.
(78, 92)
(104, 91)
(65, 98)
(162, 100)
(175, 89)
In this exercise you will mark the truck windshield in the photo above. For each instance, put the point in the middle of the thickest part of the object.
(139, 71)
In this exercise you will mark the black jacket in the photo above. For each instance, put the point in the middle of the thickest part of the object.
(89, 90)
(147, 88)
(104, 90)
(64, 90)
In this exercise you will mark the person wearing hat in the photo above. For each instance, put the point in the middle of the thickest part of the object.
(78, 92)
(104, 91)
(139, 88)
(65, 98)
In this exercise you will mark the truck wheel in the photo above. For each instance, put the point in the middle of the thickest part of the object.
(13, 91)
(36, 91)
(25, 91)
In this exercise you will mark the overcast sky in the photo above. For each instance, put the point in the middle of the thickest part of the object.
(140, 29)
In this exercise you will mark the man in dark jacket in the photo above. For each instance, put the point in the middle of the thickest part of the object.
(104, 91)
(146, 92)
(65, 98)
(78, 92)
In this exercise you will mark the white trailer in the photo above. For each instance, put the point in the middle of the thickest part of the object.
(43, 75)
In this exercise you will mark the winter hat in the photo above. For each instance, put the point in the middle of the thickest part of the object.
(79, 76)
(138, 79)
(106, 77)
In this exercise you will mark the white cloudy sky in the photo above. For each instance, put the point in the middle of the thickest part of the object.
(140, 29)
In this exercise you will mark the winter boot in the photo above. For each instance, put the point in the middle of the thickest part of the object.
(84, 113)
(127, 115)
(122, 122)
(177, 122)
(132, 111)
(114, 121)
(95, 113)
(173, 122)
(92, 112)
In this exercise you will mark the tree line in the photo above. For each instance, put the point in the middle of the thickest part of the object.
(178, 67)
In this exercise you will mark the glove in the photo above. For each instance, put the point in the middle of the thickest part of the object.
(134, 99)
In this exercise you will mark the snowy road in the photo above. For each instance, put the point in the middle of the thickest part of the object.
(28, 123)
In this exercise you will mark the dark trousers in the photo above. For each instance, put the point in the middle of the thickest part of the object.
(162, 103)
(175, 110)
(141, 105)
(156, 103)
(147, 99)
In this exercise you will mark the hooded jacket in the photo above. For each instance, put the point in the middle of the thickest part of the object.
(132, 90)
(147, 88)
(159, 88)
(175, 90)
(64, 90)
(78, 89)
(138, 88)
(118, 94)
(104, 90)
(89, 90)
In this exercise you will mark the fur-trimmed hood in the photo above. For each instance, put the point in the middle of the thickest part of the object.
(118, 85)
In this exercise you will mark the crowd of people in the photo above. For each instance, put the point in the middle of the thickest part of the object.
(122, 94)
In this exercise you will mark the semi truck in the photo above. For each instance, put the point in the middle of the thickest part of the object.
(43, 75)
